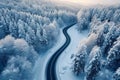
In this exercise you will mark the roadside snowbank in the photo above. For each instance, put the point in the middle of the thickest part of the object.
(63, 67)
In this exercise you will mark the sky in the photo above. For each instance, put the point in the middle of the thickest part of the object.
(91, 2)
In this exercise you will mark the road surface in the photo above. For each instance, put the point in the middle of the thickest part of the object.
(51, 66)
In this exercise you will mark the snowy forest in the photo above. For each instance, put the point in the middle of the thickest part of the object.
(25, 32)
(30, 28)
(99, 55)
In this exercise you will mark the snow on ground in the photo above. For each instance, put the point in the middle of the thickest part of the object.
(63, 67)
(40, 65)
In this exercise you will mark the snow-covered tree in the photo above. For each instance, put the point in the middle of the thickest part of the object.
(113, 57)
(17, 68)
(84, 18)
(17, 59)
(101, 29)
(21, 30)
(111, 37)
(94, 64)
(116, 16)
(80, 60)
(116, 75)
(51, 30)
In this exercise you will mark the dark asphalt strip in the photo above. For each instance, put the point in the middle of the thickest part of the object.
(51, 66)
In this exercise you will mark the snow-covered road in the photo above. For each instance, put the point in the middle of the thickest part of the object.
(63, 67)
(40, 66)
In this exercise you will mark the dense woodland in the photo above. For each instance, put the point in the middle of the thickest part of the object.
(99, 55)
(27, 29)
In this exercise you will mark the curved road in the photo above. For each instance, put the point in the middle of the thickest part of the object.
(51, 70)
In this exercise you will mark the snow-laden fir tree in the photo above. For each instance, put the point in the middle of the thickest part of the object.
(79, 61)
(94, 65)
(84, 18)
(100, 29)
(113, 58)
(17, 59)
(110, 38)
(116, 75)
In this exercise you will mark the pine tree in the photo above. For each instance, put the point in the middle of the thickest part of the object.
(113, 57)
(94, 64)
(21, 29)
(116, 75)
(111, 37)
(79, 61)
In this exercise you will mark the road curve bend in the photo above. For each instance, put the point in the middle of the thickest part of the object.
(51, 66)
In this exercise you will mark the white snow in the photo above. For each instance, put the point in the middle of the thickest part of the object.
(64, 63)
(40, 65)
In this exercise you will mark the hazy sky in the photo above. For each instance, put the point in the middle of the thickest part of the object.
(90, 2)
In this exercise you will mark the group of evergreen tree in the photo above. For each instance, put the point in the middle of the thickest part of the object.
(28, 28)
(105, 53)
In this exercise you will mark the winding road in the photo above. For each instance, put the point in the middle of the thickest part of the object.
(51, 66)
